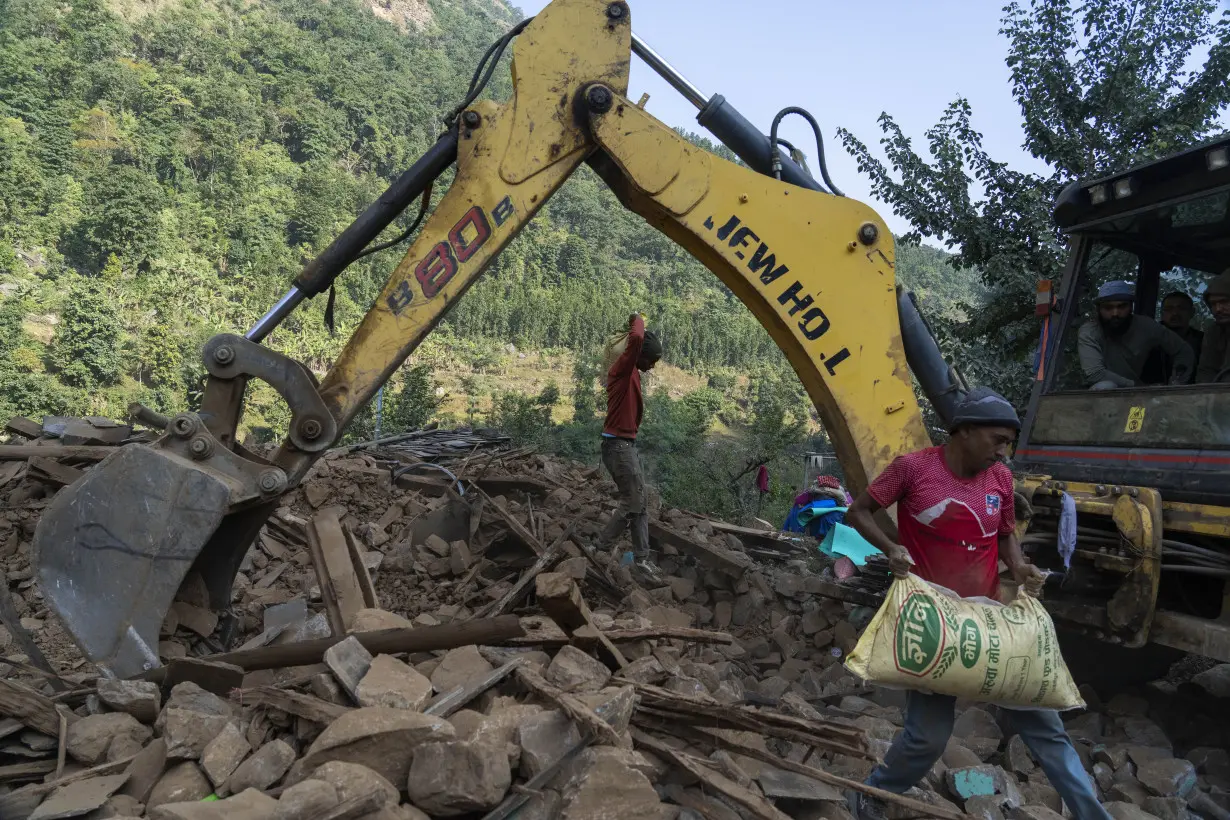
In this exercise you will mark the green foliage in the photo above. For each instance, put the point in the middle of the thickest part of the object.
(414, 402)
(587, 396)
(1101, 85)
(410, 401)
(161, 360)
(527, 419)
(86, 347)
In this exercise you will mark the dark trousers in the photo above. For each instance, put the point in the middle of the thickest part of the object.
(622, 462)
(928, 725)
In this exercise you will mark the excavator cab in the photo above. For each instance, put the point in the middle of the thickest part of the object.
(1142, 469)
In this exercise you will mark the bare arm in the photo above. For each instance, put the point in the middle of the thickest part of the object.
(861, 516)
(1010, 552)
(1022, 571)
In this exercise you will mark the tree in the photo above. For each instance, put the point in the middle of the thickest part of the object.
(161, 359)
(86, 346)
(414, 403)
(1102, 84)
(121, 218)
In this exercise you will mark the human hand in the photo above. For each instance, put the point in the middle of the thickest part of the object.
(1031, 578)
(899, 561)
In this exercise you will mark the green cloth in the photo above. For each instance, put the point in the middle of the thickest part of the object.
(843, 540)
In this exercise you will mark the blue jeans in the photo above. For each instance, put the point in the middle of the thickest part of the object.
(928, 725)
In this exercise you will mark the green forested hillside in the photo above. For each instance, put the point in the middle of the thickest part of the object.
(167, 166)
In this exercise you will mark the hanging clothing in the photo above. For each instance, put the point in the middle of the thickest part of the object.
(1067, 529)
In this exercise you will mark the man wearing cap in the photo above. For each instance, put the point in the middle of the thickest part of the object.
(1215, 351)
(624, 409)
(956, 519)
(1115, 345)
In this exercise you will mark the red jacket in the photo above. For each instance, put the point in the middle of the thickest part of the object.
(624, 404)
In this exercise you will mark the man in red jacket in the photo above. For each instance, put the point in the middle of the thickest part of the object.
(624, 410)
(955, 521)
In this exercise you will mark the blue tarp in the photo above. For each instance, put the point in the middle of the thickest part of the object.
(815, 518)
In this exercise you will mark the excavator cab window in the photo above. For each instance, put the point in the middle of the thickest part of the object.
(1102, 263)
(1163, 227)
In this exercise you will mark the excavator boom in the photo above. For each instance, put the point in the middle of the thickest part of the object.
(815, 268)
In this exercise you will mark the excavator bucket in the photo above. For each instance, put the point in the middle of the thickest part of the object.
(112, 549)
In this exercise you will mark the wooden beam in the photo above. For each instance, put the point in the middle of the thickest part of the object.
(752, 803)
(387, 641)
(37, 711)
(449, 702)
(52, 471)
(510, 599)
(824, 734)
(12, 803)
(560, 597)
(841, 592)
(724, 740)
(723, 560)
(335, 570)
(618, 636)
(298, 704)
(34, 770)
(572, 707)
(12, 621)
(518, 529)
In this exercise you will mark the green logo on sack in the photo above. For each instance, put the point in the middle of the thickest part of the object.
(920, 635)
(971, 643)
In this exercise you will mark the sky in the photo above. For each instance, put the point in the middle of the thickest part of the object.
(845, 62)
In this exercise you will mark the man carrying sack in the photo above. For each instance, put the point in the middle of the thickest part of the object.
(956, 519)
(625, 408)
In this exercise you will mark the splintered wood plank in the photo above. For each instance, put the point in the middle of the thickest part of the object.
(53, 472)
(335, 572)
(307, 707)
(560, 597)
(755, 805)
(731, 563)
(31, 708)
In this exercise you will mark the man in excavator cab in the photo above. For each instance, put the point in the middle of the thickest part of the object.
(1215, 351)
(1115, 345)
(1178, 313)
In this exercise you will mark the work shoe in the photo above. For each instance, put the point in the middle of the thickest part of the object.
(865, 807)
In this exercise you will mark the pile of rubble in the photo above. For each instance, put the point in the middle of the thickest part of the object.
(423, 630)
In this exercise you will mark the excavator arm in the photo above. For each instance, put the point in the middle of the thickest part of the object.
(816, 269)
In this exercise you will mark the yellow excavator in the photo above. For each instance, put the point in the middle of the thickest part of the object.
(815, 267)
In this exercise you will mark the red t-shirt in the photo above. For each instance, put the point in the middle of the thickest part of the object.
(624, 404)
(950, 525)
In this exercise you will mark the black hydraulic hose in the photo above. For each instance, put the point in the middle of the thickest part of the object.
(325, 268)
(424, 201)
(815, 127)
(485, 70)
